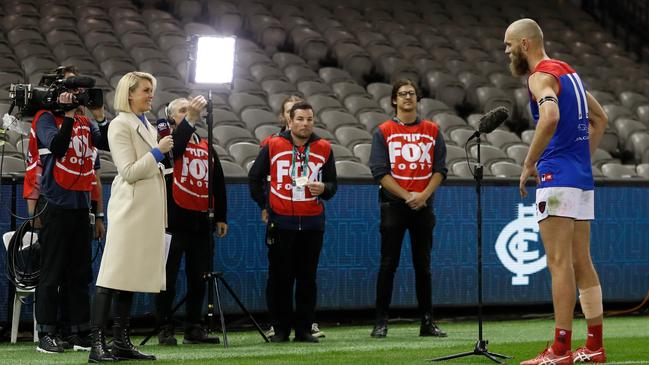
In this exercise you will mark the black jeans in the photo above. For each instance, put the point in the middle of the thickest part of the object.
(197, 247)
(396, 218)
(65, 259)
(293, 261)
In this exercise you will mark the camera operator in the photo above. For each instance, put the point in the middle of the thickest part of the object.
(66, 144)
(187, 204)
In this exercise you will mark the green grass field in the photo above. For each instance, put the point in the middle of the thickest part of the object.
(626, 342)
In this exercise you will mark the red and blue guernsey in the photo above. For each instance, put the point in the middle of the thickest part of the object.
(566, 160)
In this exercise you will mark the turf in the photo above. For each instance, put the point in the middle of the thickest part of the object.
(627, 342)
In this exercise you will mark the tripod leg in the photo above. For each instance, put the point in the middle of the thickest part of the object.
(243, 308)
(492, 358)
(215, 282)
(500, 356)
(156, 329)
(449, 357)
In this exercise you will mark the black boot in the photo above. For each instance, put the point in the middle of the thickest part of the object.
(123, 349)
(429, 328)
(98, 351)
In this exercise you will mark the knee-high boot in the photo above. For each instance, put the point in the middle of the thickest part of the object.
(100, 311)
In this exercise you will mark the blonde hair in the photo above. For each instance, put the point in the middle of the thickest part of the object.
(127, 84)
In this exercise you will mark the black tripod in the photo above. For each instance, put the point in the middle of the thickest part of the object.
(213, 278)
(480, 348)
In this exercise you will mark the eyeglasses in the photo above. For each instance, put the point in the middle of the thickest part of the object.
(405, 94)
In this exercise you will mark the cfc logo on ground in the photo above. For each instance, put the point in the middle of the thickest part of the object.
(410, 151)
(513, 246)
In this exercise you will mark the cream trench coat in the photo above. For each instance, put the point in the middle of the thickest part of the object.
(134, 256)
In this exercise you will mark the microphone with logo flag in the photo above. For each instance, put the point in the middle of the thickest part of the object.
(491, 120)
(164, 129)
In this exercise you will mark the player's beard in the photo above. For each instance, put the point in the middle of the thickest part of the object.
(518, 65)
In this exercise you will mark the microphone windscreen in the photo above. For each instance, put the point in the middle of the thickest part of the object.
(493, 119)
(75, 82)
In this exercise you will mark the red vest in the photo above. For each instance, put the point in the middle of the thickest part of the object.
(411, 149)
(190, 179)
(285, 198)
(75, 170)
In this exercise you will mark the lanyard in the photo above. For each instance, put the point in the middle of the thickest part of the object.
(305, 162)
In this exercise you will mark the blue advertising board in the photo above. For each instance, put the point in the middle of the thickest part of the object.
(514, 259)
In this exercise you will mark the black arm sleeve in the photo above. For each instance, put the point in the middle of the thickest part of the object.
(100, 135)
(439, 165)
(181, 135)
(218, 189)
(379, 158)
(61, 141)
(257, 177)
(329, 177)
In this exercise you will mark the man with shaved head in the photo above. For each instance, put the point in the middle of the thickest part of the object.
(569, 126)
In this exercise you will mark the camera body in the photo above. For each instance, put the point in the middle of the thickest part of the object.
(30, 99)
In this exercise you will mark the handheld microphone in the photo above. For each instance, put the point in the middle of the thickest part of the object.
(164, 129)
(75, 82)
(490, 121)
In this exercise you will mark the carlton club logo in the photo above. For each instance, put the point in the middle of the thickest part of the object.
(513, 246)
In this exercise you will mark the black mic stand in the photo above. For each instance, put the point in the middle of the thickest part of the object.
(480, 348)
(213, 278)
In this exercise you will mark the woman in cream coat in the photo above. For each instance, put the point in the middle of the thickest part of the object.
(134, 257)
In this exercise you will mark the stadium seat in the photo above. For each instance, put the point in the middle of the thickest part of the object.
(344, 89)
(309, 88)
(639, 143)
(243, 152)
(617, 171)
(501, 138)
(465, 170)
(13, 165)
(362, 151)
(351, 169)
(284, 59)
(643, 170)
(632, 100)
(278, 86)
(614, 112)
(428, 107)
(505, 169)
(336, 118)
(372, 119)
(357, 104)
(453, 154)
(242, 101)
(229, 134)
(448, 122)
(254, 118)
(299, 73)
(446, 88)
(332, 75)
(517, 152)
(490, 98)
(325, 134)
(262, 72)
(379, 90)
(342, 153)
(488, 154)
(627, 127)
(309, 44)
(351, 136)
(263, 131)
(321, 103)
(232, 169)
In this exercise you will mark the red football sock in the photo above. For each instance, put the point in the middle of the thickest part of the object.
(561, 341)
(594, 339)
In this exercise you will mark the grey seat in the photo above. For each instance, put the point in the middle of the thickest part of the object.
(342, 153)
(454, 153)
(351, 169)
(158, 68)
(284, 59)
(187, 10)
(321, 103)
(299, 73)
(517, 152)
(308, 88)
(13, 165)
(101, 53)
(372, 119)
(336, 118)
(446, 88)
(505, 169)
(309, 44)
(617, 171)
(254, 118)
(229, 134)
(112, 67)
(268, 31)
(325, 134)
(627, 127)
(427, 107)
(262, 72)
(614, 112)
(232, 169)
(243, 152)
(460, 135)
(241, 101)
(501, 138)
(37, 65)
(640, 146)
(161, 99)
(247, 59)
(357, 104)
(448, 122)
(643, 170)
(490, 98)
(489, 154)
(278, 86)
(56, 37)
(332, 75)
(344, 89)
(263, 131)
(379, 90)
(222, 153)
(362, 151)
(464, 169)
(601, 157)
(351, 136)
(354, 60)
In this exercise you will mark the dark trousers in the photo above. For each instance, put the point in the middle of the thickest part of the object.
(396, 218)
(65, 259)
(197, 248)
(293, 262)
